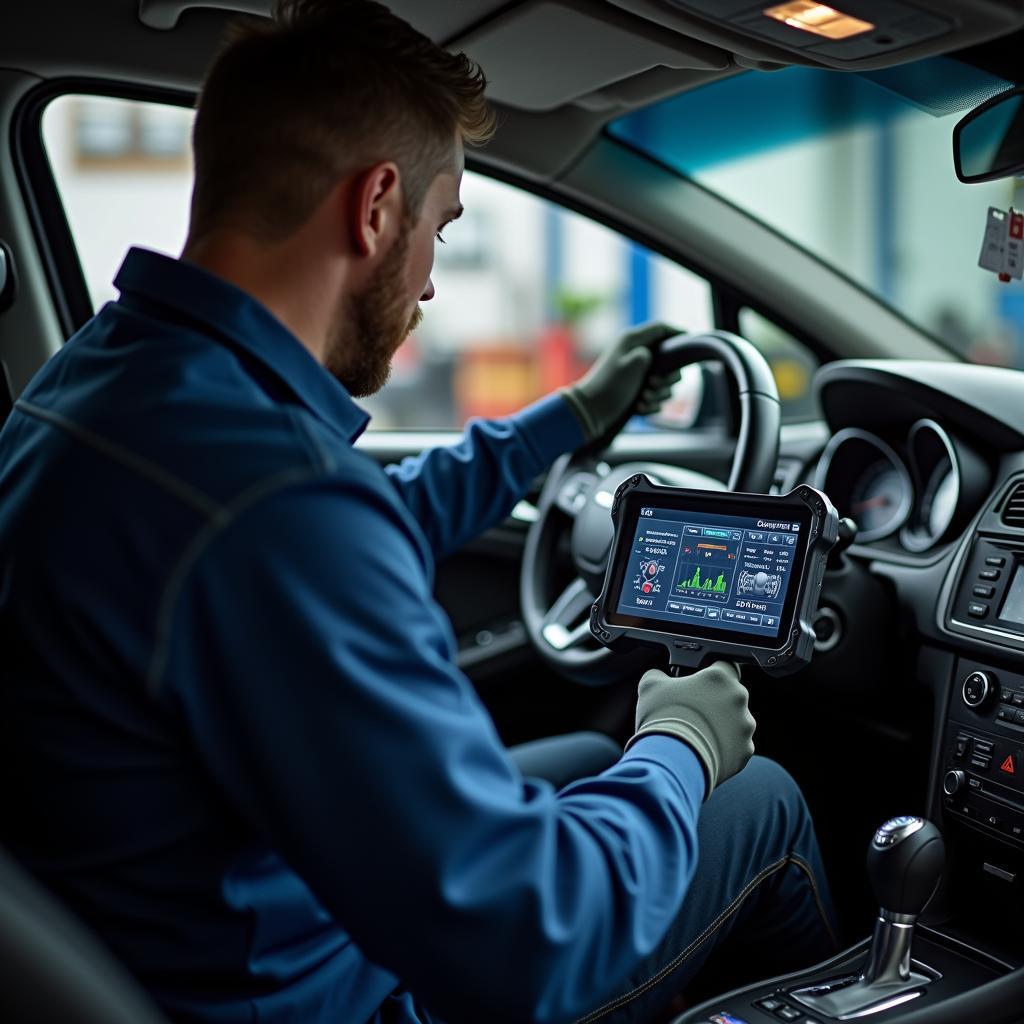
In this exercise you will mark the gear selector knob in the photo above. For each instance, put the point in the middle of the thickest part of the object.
(906, 857)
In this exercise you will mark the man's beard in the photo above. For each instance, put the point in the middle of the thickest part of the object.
(369, 328)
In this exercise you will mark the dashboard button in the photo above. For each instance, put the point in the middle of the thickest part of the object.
(1005, 714)
(1018, 699)
(982, 591)
(977, 610)
(976, 688)
(769, 1003)
(1018, 717)
(980, 764)
(997, 560)
(1006, 695)
(988, 574)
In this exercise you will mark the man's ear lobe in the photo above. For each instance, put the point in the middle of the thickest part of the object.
(375, 207)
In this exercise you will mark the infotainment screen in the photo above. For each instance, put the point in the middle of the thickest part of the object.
(706, 573)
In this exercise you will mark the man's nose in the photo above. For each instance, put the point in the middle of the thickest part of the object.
(428, 292)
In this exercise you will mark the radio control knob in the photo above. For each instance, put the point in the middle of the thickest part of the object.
(953, 782)
(977, 688)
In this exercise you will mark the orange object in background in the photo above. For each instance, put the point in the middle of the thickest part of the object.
(494, 380)
(557, 359)
(498, 379)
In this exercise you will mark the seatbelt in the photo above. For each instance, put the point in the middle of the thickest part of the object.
(6, 393)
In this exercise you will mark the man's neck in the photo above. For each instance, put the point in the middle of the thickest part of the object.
(276, 276)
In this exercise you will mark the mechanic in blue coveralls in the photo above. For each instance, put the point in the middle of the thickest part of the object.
(247, 757)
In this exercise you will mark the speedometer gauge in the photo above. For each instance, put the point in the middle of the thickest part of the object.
(879, 499)
(866, 481)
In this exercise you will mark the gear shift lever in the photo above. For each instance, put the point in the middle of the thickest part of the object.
(905, 861)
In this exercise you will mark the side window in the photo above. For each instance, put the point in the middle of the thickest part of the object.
(528, 293)
(124, 173)
(792, 363)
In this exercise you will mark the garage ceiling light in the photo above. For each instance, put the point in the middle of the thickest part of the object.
(819, 19)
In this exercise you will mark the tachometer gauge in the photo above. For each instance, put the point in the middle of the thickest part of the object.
(936, 468)
(866, 481)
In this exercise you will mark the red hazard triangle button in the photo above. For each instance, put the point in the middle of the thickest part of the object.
(1008, 766)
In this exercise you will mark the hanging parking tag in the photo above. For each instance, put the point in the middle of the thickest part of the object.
(1013, 260)
(1002, 250)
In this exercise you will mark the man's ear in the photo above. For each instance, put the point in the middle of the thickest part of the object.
(375, 209)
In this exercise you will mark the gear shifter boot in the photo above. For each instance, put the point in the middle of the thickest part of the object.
(905, 861)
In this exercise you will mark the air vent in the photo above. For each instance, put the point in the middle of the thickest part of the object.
(1013, 510)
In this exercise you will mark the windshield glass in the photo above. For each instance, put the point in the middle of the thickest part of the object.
(858, 169)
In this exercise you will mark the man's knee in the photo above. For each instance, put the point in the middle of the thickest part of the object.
(763, 799)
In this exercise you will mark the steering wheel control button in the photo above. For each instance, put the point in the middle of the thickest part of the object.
(976, 688)
(977, 610)
(953, 782)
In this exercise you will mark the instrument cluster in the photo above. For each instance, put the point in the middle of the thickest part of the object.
(920, 490)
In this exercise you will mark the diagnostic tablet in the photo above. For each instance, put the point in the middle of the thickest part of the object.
(713, 574)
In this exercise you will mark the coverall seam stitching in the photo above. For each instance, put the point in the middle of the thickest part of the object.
(806, 868)
(192, 551)
(313, 447)
(627, 997)
(174, 485)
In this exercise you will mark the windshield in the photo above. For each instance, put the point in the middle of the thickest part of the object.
(858, 169)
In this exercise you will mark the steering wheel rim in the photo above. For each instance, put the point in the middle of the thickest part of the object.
(578, 492)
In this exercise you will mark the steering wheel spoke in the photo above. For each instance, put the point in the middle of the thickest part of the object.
(567, 624)
(574, 490)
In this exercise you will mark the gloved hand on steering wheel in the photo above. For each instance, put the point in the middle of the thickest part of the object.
(617, 386)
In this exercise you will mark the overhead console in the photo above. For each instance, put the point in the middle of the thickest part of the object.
(855, 31)
(851, 34)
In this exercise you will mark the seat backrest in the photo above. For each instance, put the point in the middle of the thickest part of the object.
(52, 969)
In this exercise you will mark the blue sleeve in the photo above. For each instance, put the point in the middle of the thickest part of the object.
(455, 492)
(326, 706)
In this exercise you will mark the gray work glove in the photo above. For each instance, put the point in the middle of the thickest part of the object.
(707, 710)
(617, 385)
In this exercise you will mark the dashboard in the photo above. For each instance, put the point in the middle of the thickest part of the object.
(928, 460)
(915, 447)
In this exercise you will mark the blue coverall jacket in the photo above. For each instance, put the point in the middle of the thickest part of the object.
(234, 736)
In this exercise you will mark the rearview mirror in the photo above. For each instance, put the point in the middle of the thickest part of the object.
(988, 143)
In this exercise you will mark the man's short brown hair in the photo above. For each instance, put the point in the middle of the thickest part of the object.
(293, 104)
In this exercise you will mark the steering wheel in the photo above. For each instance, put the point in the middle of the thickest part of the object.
(577, 498)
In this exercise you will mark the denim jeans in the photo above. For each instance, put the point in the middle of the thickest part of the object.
(758, 904)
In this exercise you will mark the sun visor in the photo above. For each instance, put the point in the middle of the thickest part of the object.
(544, 54)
